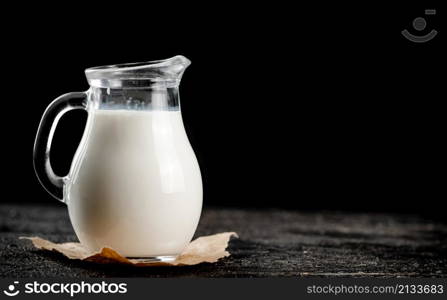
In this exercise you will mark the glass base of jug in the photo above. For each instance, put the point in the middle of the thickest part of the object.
(154, 259)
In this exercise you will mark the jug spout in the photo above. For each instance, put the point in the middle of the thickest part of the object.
(174, 67)
(165, 72)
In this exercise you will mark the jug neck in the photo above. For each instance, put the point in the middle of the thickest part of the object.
(149, 85)
(142, 99)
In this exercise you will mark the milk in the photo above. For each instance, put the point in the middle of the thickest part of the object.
(136, 187)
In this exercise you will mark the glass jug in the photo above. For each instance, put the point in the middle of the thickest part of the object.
(134, 184)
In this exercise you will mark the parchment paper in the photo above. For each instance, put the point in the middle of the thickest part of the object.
(208, 249)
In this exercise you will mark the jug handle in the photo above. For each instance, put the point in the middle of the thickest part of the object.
(53, 183)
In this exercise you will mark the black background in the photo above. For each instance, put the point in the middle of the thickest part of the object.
(323, 106)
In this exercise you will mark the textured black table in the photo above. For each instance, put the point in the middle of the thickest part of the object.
(272, 243)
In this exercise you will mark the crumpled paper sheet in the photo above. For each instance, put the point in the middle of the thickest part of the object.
(208, 249)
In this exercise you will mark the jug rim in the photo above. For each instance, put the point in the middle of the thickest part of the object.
(138, 74)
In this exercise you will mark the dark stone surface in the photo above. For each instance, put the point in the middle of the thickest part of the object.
(272, 243)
